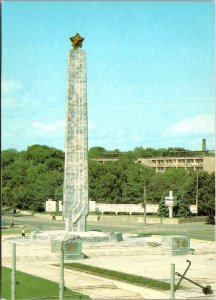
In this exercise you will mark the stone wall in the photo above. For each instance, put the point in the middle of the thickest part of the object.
(127, 208)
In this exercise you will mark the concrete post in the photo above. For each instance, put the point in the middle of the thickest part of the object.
(169, 201)
(172, 283)
(61, 283)
(170, 211)
(13, 273)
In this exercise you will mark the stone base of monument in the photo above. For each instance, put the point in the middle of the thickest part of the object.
(84, 236)
(73, 241)
(175, 245)
(115, 236)
(72, 248)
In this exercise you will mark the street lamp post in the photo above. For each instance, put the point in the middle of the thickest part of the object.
(144, 204)
(197, 188)
(13, 273)
(172, 285)
(61, 283)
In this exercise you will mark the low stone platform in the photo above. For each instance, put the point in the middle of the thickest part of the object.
(134, 255)
(86, 236)
(176, 245)
(72, 241)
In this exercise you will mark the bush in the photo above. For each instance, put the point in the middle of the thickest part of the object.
(130, 278)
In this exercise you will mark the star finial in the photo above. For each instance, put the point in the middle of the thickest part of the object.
(77, 41)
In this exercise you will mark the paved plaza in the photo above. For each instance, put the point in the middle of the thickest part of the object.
(133, 255)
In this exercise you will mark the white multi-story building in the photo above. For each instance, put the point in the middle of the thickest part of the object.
(160, 164)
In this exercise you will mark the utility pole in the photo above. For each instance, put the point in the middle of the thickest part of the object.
(144, 204)
(197, 188)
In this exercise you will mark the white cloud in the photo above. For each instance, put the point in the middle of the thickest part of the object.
(50, 128)
(9, 86)
(201, 124)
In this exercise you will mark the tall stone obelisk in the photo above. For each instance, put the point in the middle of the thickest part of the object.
(75, 199)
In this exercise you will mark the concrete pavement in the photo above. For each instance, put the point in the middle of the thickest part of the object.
(131, 256)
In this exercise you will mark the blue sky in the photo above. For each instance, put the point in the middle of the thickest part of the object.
(150, 68)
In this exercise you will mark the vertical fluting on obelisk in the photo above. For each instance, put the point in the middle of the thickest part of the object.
(75, 199)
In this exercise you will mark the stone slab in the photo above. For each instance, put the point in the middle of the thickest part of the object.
(176, 245)
(84, 236)
(116, 236)
(72, 248)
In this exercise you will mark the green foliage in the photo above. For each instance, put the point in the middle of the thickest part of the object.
(118, 182)
(182, 208)
(130, 278)
(140, 152)
(8, 157)
(30, 177)
(163, 210)
(206, 195)
(97, 152)
(39, 287)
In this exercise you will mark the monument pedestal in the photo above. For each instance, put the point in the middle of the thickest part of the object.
(176, 245)
(73, 240)
(84, 236)
(72, 248)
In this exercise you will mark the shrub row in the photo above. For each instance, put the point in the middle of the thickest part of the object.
(130, 278)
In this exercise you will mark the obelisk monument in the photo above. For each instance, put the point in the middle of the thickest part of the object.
(75, 198)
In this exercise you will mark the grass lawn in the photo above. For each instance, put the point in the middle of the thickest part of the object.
(193, 234)
(29, 287)
(15, 230)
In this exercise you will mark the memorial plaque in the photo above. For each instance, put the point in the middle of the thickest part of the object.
(72, 248)
(176, 245)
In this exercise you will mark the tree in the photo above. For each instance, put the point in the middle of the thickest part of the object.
(97, 152)
(206, 195)
(163, 210)
(8, 157)
(182, 208)
(29, 177)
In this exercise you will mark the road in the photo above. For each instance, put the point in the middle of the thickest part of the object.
(193, 230)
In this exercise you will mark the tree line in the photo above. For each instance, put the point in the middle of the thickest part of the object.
(140, 152)
(30, 177)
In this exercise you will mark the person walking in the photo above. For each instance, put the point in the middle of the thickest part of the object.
(12, 224)
(23, 232)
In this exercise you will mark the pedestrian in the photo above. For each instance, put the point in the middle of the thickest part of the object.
(23, 232)
(12, 224)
